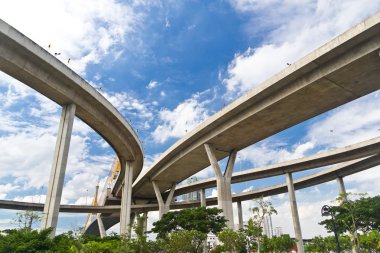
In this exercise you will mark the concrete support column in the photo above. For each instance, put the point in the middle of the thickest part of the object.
(203, 198)
(102, 230)
(57, 173)
(126, 199)
(134, 217)
(240, 214)
(293, 206)
(203, 204)
(342, 188)
(140, 222)
(223, 183)
(163, 207)
(145, 224)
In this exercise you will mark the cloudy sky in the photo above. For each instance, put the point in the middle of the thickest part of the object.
(167, 66)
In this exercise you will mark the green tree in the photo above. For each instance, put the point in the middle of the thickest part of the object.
(370, 241)
(25, 240)
(140, 244)
(27, 219)
(369, 214)
(327, 244)
(281, 243)
(233, 241)
(186, 242)
(66, 242)
(354, 213)
(253, 230)
(202, 219)
(317, 244)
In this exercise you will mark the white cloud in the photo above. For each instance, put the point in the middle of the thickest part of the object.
(272, 151)
(180, 120)
(214, 193)
(152, 84)
(167, 23)
(85, 32)
(31, 168)
(205, 173)
(33, 199)
(125, 102)
(5, 188)
(296, 30)
(364, 182)
(349, 124)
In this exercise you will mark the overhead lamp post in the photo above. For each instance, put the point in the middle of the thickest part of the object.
(328, 210)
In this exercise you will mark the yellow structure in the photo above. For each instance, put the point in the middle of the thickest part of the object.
(114, 175)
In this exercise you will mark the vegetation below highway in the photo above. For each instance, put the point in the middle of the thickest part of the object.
(357, 222)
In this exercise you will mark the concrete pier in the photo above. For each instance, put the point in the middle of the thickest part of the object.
(57, 174)
(223, 183)
(102, 230)
(342, 188)
(293, 206)
(163, 206)
(145, 224)
(203, 198)
(126, 198)
(240, 214)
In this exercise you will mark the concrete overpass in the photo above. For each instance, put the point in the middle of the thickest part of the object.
(348, 153)
(335, 172)
(112, 213)
(344, 69)
(29, 63)
(340, 71)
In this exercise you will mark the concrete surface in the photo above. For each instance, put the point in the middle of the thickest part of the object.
(295, 215)
(341, 170)
(340, 71)
(29, 63)
(57, 173)
(348, 153)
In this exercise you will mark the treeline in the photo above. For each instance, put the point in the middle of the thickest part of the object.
(356, 219)
(357, 224)
(179, 231)
(369, 242)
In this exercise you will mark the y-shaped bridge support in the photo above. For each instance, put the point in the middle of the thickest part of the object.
(223, 183)
(163, 207)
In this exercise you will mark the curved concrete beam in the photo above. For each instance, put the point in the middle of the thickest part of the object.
(341, 170)
(29, 63)
(113, 212)
(18, 205)
(348, 153)
(340, 71)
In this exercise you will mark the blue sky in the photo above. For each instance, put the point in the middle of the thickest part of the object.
(167, 66)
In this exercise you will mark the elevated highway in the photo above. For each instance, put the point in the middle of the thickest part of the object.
(346, 158)
(29, 63)
(112, 212)
(348, 153)
(340, 71)
(346, 68)
(341, 170)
